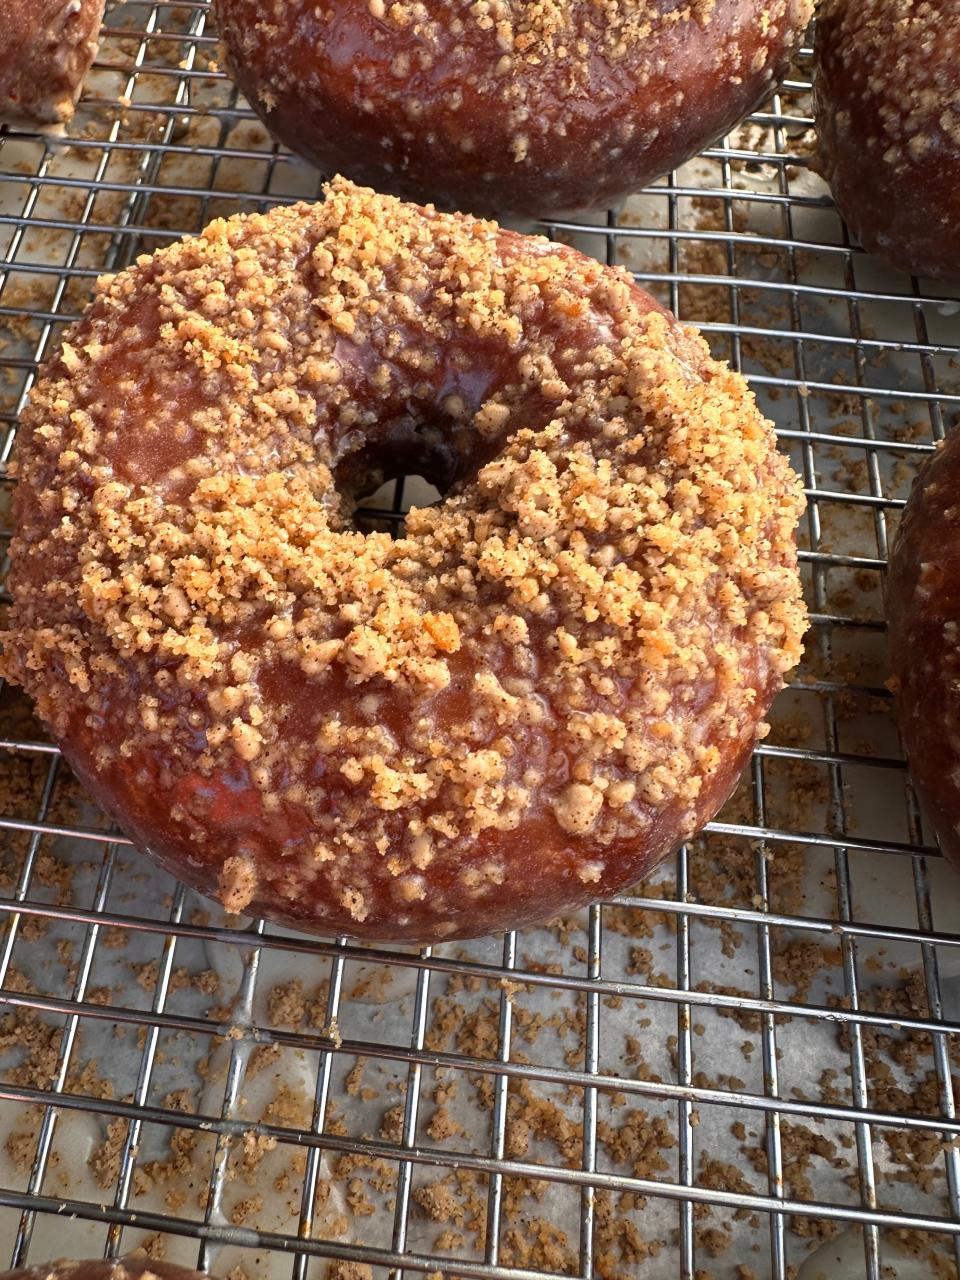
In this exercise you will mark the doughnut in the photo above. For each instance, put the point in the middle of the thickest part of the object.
(524, 107)
(553, 677)
(103, 1269)
(923, 614)
(47, 49)
(887, 108)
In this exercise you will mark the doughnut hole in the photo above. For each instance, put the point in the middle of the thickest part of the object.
(414, 463)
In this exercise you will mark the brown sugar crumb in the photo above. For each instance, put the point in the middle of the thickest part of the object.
(289, 1107)
(531, 1116)
(245, 1211)
(541, 1245)
(923, 1244)
(354, 1083)
(104, 1161)
(185, 1169)
(449, 1239)
(801, 1144)
(254, 1147)
(147, 974)
(349, 1271)
(391, 1126)
(619, 1241)
(286, 1006)
(442, 1125)
(747, 1018)
(237, 882)
(207, 982)
(721, 1175)
(798, 961)
(628, 524)
(154, 1247)
(715, 1240)
(316, 1005)
(263, 1057)
(20, 1147)
(33, 928)
(638, 1141)
(438, 1201)
(37, 1044)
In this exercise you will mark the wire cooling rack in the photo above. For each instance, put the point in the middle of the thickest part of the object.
(741, 1068)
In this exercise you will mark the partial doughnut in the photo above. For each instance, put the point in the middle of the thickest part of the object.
(529, 699)
(506, 106)
(923, 609)
(45, 52)
(887, 107)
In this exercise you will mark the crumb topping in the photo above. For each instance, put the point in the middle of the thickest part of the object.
(897, 61)
(521, 35)
(887, 108)
(532, 33)
(570, 643)
(608, 78)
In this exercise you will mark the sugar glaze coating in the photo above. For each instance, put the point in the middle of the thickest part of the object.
(887, 106)
(133, 1268)
(507, 106)
(46, 50)
(526, 701)
(923, 609)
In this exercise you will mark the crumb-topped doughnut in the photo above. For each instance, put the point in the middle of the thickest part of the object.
(923, 610)
(526, 700)
(507, 106)
(46, 50)
(887, 105)
(129, 1268)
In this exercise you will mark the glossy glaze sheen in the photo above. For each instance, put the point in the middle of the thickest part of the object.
(923, 603)
(46, 49)
(543, 864)
(347, 90)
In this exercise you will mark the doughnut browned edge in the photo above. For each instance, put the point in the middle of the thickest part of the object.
(519, 107)
(887, 108)
(103, 1269)
(527, 701)
(46, 49)
(923, 611)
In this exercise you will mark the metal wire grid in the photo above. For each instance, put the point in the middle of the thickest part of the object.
(162, 144)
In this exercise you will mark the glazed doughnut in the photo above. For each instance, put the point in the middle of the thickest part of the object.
(506, 106)
(887, 107)
(923, 611)
(103, 1269)
(47, 49)
(531, 697)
